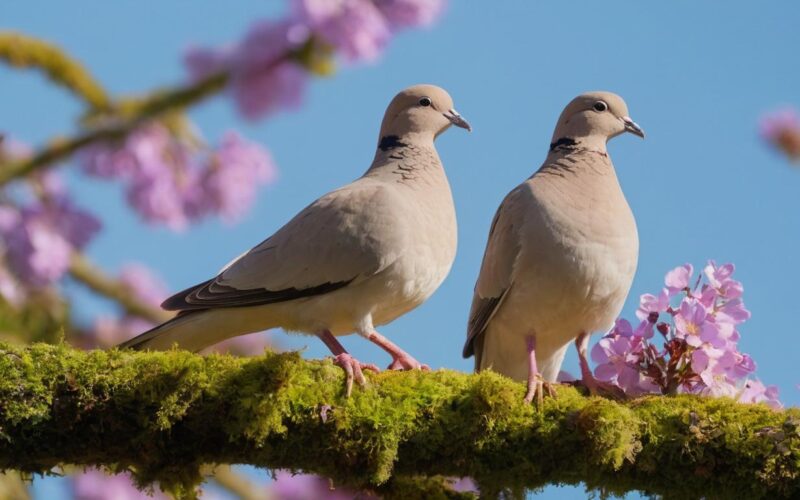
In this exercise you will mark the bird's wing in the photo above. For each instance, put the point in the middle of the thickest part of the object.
(496, 274)
(340, 239)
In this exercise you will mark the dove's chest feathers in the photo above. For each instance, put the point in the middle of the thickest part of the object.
(580, 241)
(428, 217)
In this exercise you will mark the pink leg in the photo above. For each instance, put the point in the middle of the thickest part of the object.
(351, 366)
(537, 387)
(596, 387)
(401, 360)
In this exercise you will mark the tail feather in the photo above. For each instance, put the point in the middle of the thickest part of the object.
(185, 330)
(196, 330)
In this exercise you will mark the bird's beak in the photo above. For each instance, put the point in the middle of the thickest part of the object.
(632, 127)
(457, 119)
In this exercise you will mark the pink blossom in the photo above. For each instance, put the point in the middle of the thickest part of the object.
(733, 312)
(264, 78)
(10, 288)
(650, 306)
(289, 486)
(93, 484)
(756, 392)
(202, 62)
(41, 237)
(357, 28)
(464, 485)
(781, 129)
(700, 353)
(146, 285)
(720, 279)
(174, 183)
(693, 323)
(618, 356)
(233, 170)
(409, 13)
(679, 279)
(110, 330)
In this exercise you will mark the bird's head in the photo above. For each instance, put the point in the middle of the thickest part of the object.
(598, 115)
(422, 110)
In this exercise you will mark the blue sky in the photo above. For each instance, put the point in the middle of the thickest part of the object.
(696, 76)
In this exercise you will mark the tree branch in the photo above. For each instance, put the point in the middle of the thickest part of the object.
(95, 279)
(23, 51)
(163, 415)
(135, 112)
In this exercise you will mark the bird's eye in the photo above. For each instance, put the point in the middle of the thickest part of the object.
(600, 106)
(425, 101)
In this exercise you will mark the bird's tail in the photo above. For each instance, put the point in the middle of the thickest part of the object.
(187, 330)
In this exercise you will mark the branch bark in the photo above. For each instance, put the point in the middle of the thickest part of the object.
(164, 415)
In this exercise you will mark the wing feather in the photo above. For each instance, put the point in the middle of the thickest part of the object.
(496, 276)
(343, 237)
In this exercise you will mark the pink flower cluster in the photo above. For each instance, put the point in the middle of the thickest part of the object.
(265, 75)
(173, 182)
(40, 228)
(781, 129)
(698, 319)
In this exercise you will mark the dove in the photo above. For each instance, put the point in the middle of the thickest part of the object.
(356, 258)
(561, 254)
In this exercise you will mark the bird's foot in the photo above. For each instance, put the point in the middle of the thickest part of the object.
(404, 361)
(600, 388)
(538, 388)
(354, 370)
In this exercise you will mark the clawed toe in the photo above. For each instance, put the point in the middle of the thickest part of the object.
(538, 389)
(354, 371)
(407, 363)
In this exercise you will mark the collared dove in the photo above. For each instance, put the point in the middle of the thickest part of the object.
(561, 254)
(357, 257)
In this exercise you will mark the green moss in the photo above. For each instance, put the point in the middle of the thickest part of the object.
(24, 51)
(164, 415)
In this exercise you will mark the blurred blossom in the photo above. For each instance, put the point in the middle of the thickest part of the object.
(233, 170)
(288, 486)
(94, 484)
(173, 183)
(411, 13)
(144, 283)
(756, 392)
(110, 330)
(264, 78)
(464, 485)
(357, 28)
(700, 354)
(265, 75)
(10, 288)
(12, 149)
(781, 129)
(39, 238)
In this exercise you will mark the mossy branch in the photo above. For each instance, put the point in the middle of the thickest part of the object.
(23, 51)
(164, 415)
